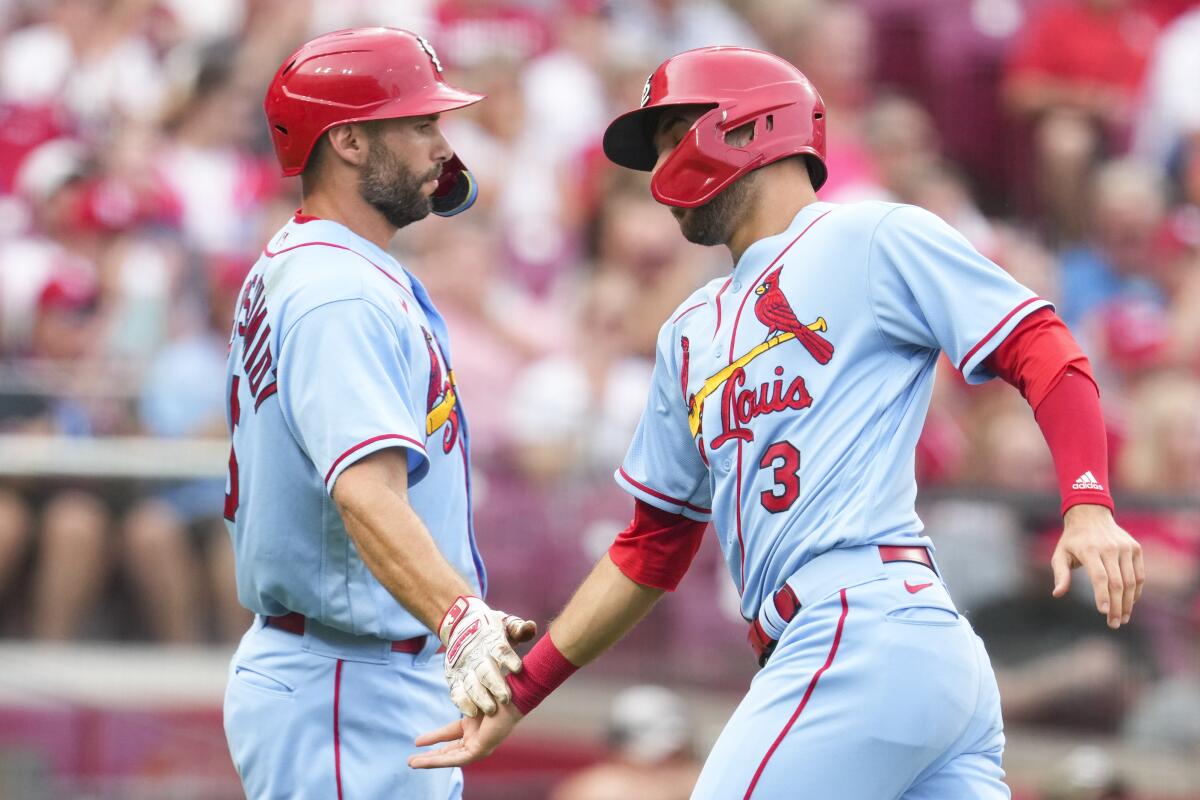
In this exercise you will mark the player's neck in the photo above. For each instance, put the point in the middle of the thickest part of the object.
(780, 195)
(349, 209)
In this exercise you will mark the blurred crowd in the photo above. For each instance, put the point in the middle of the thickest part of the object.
(137, 186)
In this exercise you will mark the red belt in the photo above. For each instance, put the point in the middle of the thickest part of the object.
(787, 604)
(294, 623)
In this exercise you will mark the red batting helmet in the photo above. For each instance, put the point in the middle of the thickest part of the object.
(357, 75)
(740, 86)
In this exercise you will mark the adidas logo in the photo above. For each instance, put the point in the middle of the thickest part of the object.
(1087, 481)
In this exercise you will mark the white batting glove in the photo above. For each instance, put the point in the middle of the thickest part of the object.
(479, 653)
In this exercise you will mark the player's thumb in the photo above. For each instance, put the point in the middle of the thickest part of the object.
(1060, 562)
(505, 656)
(519, 630)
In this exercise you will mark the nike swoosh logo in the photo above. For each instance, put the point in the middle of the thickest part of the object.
(914, 589)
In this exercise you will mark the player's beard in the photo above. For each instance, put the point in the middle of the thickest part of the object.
(392, 189)
(715, 222)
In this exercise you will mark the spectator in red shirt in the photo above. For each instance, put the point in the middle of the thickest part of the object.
(1074, 73)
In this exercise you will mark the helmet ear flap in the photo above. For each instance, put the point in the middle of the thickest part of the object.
(702, 164)
(456, 190)
(817, 172)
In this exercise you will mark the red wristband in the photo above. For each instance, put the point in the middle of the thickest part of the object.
(542, 671)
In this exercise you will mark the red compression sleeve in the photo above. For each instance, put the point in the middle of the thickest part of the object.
(657, 548)
(1071, 421)
(542, 671)
(1033, 357)
(1046, 364)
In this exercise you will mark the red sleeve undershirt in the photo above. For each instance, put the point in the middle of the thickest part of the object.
(658, 547)
(1045, 363)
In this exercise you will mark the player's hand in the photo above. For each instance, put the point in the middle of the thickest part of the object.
(479, 653)
(1113, 559)
(470, 739)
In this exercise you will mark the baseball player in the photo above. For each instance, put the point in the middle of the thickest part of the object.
(349, 493)
(786, 404)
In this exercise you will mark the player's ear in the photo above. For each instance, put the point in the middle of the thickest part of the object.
(350, 143)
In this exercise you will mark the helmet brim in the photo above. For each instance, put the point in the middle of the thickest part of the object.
(438, 98)
(629, 139)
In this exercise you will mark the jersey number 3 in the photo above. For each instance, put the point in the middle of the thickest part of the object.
(784, 459)
(235, 416)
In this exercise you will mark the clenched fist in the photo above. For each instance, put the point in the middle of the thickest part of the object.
(479, 652)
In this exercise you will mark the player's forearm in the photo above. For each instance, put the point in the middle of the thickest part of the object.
(395, 545)
(605, 607)
(648, 559)
(1045, 363)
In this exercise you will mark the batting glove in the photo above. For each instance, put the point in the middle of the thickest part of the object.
(479, 651)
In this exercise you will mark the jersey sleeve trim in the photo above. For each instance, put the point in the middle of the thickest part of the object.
(370, 446)
(658, 499)
(984, 347)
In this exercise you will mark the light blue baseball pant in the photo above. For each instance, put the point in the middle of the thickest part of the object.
(874, 692)
(332, 716)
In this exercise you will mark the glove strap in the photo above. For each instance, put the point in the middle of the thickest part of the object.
(458, 609)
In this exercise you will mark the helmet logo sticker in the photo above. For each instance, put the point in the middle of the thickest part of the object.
(646, 91)
(428, 48)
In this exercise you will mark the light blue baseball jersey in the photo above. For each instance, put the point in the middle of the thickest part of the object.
(337, 352)
(788, 398)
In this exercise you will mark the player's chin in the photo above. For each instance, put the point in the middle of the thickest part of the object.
(423, 211)
(700, 229)
(683, 220)
(401, 215)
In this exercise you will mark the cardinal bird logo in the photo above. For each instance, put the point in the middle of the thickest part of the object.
(442, 399)
(742, 401)
(436, 384)
(773, 310)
